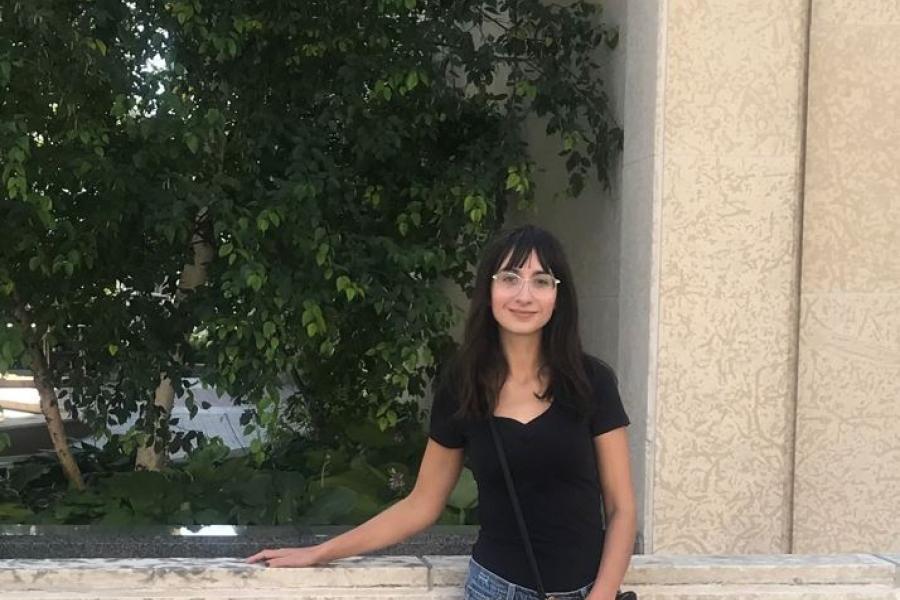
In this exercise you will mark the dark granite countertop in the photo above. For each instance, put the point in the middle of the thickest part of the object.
(212, 541)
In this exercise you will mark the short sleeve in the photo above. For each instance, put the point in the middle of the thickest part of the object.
(444, 428)
(608, 411)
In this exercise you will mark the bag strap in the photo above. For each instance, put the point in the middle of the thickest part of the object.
(516, 508)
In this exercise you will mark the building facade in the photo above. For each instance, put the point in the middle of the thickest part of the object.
(743, 275)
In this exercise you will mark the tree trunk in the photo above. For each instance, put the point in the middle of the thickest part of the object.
(193, 275)
(148, 459)
(50, 408)
(49, 402)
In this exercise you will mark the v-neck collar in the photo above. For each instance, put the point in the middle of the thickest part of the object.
(527, 423)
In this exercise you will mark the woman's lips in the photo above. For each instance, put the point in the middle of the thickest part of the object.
(522, 313)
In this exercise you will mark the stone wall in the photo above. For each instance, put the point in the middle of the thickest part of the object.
(761, 577)
(731, 104)
(760, 273)
(847, 480)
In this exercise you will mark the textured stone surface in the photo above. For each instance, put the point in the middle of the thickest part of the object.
(761, 568)
(847, 492)
(730, 86)
(734, 76)
(751, 577)
(447, 570)
(723, 415)
(894, 558)
(207, 573)
(258, 593)
(765, 592)
(740, 87)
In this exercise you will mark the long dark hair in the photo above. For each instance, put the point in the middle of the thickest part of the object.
(479, 368)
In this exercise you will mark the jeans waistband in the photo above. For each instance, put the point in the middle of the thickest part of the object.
(480, 575)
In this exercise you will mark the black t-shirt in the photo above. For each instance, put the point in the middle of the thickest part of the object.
(553, 463)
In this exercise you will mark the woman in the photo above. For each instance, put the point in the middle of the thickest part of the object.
(562, 425)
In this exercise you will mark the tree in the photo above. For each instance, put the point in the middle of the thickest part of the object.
(366, 151)
(90, 238)
(341, 160)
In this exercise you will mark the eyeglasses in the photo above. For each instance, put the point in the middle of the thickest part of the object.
(511, 282)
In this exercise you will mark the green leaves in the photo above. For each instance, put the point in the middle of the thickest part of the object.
(13, 513)
(326, 173)
(5, 70)
(192, 142)
(183, 11)
(313, 319)
(330, 506)
(12, 348)
(476, 207)
(299, 484)
(465, 493)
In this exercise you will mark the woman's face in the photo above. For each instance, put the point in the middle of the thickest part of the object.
(523, 307)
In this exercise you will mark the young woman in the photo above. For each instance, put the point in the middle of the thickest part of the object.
(562, 425)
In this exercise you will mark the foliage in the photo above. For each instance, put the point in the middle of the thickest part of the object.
(89, 182)
(345, 160)
(369, 170)
(301, 484)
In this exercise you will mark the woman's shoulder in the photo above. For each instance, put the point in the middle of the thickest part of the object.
(598, 370)
(609, 412)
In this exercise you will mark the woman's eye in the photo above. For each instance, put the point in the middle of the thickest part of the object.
(509, 278)
(543, 282)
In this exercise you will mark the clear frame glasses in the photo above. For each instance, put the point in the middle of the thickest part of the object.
(512, 283)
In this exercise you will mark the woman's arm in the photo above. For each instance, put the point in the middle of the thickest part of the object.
(438, 475)
(621, 513)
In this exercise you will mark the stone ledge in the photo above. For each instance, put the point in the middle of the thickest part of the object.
(209, 574)
(765, 592)
(698, 592)
(895, 559)
(761, 568)
(259, 594)
(653, 577)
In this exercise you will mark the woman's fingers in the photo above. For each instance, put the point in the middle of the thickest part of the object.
(267, 554)
(281, 562)
(286, 557)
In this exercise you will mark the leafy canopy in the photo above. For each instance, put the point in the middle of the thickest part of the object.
(342, 159)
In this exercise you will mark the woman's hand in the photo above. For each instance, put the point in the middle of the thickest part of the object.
(289, 557)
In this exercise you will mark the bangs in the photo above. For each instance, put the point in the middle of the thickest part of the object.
(519, 248)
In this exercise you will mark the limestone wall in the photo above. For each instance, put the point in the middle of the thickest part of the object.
(847, 480)
(762, 144)
(729, 175)
(763, 577)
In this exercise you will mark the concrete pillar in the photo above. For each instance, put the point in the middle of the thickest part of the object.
(712, 176)
(847, 482)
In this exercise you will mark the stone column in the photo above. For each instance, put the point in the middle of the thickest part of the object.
(847, 483)
(712, 197)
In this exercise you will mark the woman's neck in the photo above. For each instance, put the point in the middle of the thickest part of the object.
(523, 354)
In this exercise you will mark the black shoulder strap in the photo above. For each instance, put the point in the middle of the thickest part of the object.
(516, 508)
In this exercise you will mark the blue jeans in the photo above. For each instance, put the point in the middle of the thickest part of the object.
(482, 584)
